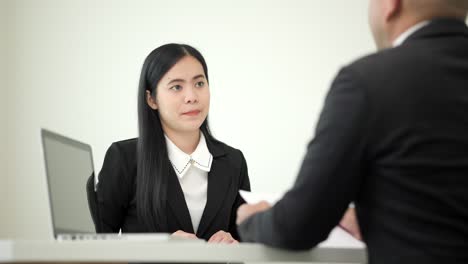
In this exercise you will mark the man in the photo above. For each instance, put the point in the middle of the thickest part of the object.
(393, 138)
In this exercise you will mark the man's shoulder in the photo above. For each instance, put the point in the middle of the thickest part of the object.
(394, 64)
(384, 60)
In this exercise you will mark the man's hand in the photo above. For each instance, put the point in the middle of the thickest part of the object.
(180, 233)
(222, 237)
(247, 210)
(350, 223)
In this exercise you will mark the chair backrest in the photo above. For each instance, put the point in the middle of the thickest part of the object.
(93, 203)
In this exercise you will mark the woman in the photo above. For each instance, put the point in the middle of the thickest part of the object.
(175, 177)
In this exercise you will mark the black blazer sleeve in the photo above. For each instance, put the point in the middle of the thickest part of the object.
(113, 190)
(329, 176)
(244, 185)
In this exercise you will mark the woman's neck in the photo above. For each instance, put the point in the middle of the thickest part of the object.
(187, 142)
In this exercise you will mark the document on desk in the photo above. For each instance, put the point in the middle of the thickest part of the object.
(251, 197)
(338, 237)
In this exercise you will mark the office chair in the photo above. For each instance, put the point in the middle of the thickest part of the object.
(93, 203)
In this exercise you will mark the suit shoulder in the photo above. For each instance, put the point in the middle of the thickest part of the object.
(127, 147)
(126, 143)
(386, 61)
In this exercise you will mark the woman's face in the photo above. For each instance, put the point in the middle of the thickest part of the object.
(182, 97)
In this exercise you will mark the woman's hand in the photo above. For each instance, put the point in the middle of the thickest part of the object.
(183, 234)
(222, 237)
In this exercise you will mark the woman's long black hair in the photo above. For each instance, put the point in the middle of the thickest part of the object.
(153, 168)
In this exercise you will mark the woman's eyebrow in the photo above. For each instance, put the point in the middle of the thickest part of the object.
(182, 80)
(199, 76)
(176, 80)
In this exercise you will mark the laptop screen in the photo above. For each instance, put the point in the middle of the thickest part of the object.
(69, 163)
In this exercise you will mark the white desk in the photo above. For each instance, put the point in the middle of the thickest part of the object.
(172, 251)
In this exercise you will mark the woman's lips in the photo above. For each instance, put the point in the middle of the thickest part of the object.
(192, 113)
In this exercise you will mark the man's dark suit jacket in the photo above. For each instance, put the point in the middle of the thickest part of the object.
(393, 138)
(117, 187)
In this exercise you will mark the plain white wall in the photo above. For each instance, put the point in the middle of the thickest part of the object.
(3, 173)
(5, 183)
(77, 64)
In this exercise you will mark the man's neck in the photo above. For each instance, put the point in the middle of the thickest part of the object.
(401, 25)
(398, 40)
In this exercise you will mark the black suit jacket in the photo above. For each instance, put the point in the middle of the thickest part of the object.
(117, 186)
(393, 137)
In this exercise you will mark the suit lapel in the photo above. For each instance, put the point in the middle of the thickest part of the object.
(177, 202)
(219, 182)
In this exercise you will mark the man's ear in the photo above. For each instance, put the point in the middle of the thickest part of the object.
(391, 9)
(151, 101)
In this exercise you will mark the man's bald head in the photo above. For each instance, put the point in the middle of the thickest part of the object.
(389, 18)
(430, 9)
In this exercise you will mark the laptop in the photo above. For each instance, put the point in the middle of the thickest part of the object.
(69, 164)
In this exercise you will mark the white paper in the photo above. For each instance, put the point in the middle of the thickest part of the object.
(339, 238)
(252, 198)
